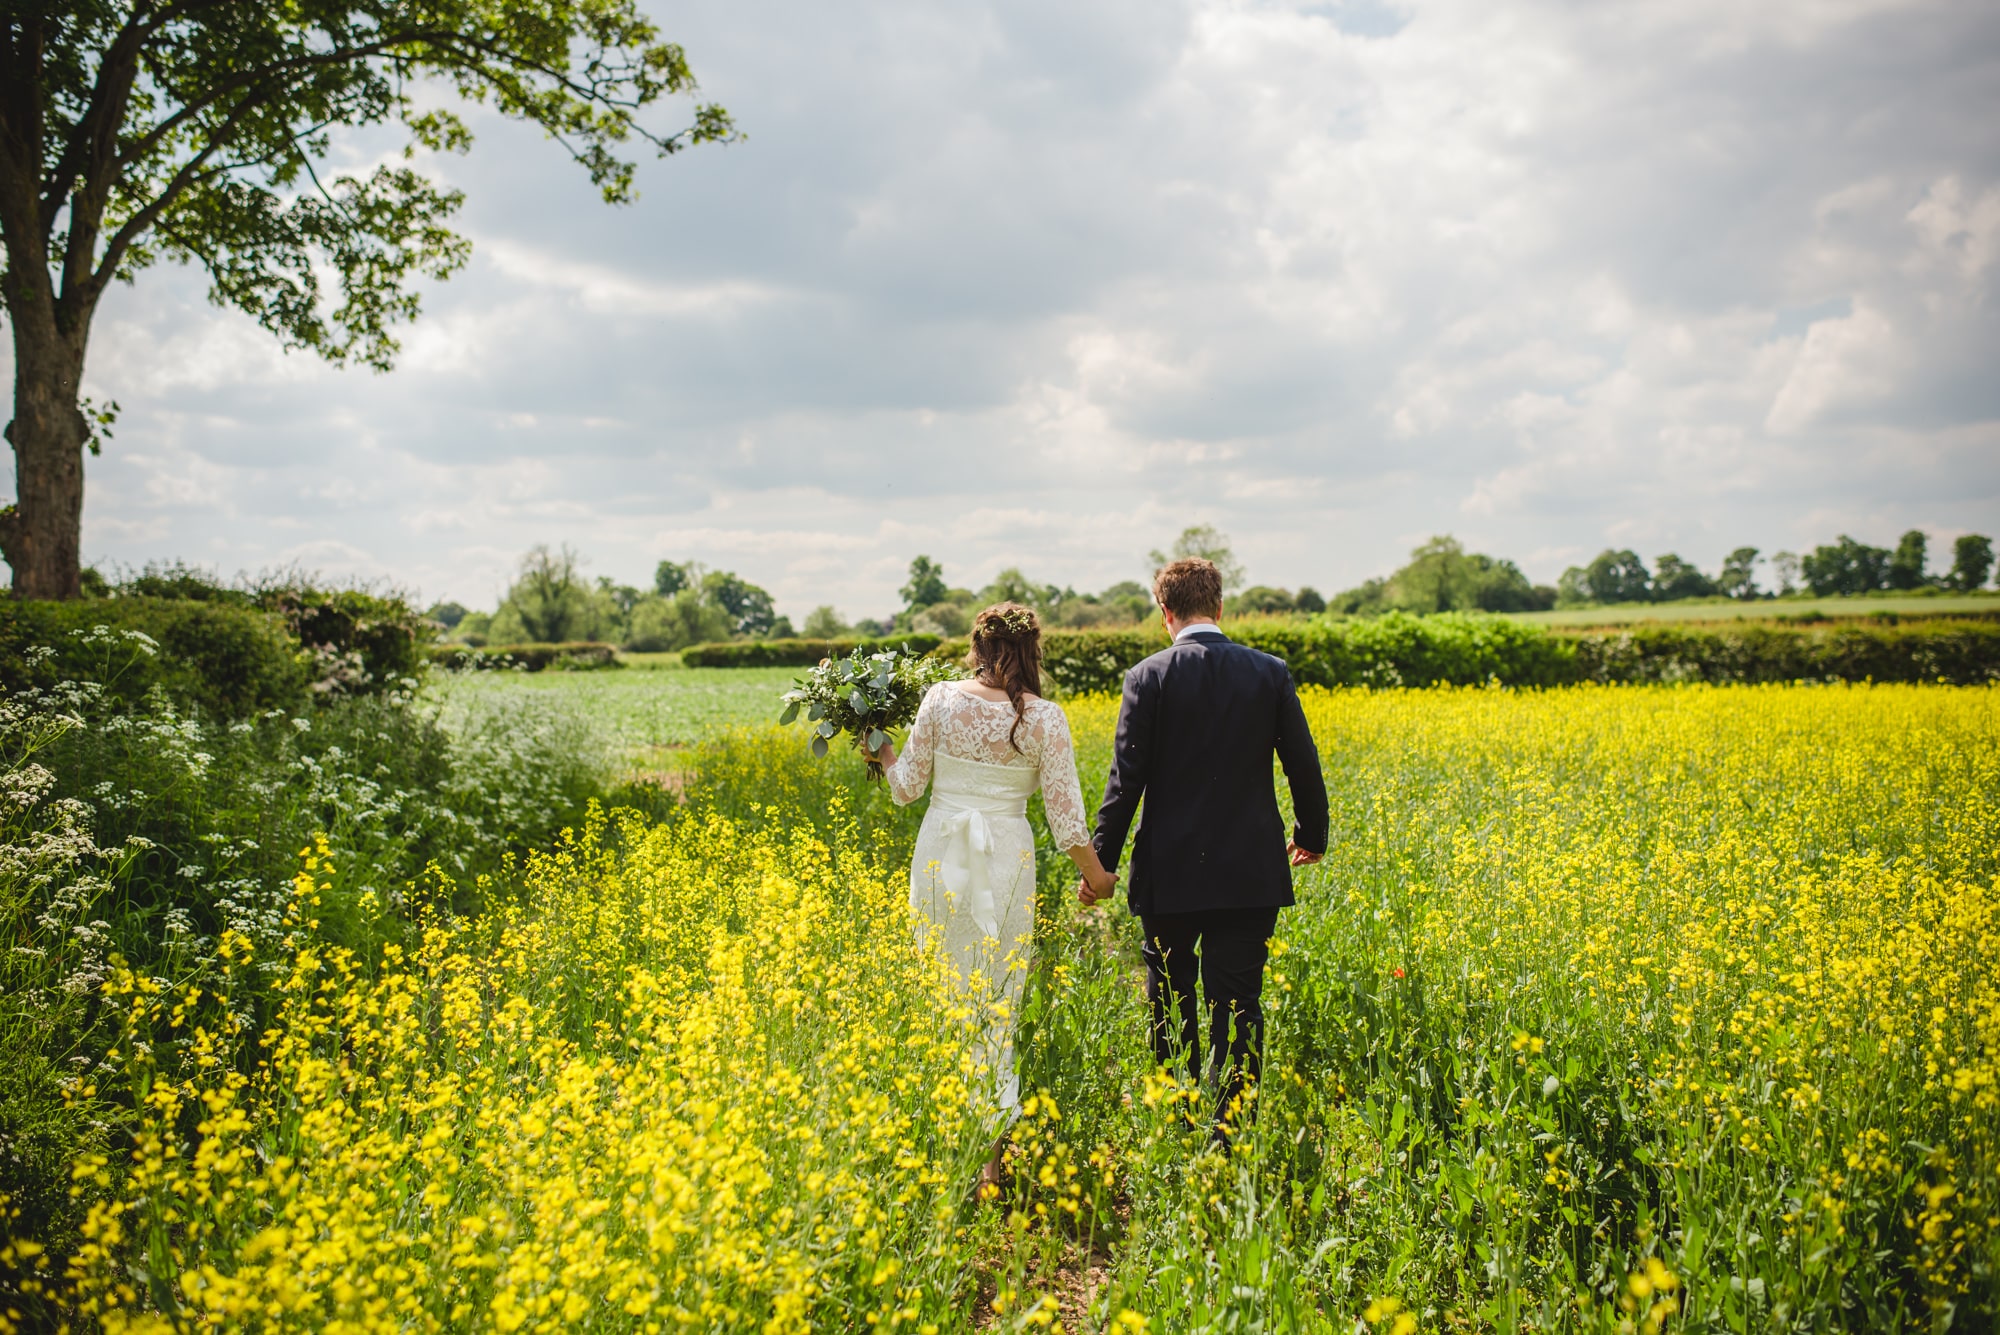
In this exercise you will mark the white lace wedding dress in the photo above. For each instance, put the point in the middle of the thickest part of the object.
(972, 881)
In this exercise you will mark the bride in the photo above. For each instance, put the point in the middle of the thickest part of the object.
(984, 746)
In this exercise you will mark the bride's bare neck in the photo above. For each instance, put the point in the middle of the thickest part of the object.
(983, 691)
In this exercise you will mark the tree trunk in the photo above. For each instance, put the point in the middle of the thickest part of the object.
(41, 533)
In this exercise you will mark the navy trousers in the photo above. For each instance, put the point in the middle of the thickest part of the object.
(1223, 951)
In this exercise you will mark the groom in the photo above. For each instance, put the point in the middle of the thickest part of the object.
(1197, 729)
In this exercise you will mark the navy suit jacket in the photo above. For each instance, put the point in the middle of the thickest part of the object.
(1197, 729)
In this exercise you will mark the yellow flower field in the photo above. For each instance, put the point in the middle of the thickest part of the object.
(658, 1094)
(1611, 1009)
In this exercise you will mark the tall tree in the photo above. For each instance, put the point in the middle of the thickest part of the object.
(549, 594)
(670, 577)
(1618, 577)
(926, 584)
(1205, 541)
(1972, 561)
(1011, 586)
(1437, 579)
(1906, 564)
(749, 607)
(133, 131)
(1846, 567)
(1674, 578)
(823, 623)
(1786, 566)
(1739, 573)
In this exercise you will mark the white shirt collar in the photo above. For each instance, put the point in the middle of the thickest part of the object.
(1197, 628)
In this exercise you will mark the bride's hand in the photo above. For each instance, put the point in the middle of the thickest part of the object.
(1088, 894)
(886, 757)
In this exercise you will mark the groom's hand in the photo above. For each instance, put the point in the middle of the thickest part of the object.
(1302, 857)
(1087, 895)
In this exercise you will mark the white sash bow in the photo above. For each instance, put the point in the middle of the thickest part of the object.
(969, 841)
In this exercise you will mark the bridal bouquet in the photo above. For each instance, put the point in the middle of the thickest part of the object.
(864, 696)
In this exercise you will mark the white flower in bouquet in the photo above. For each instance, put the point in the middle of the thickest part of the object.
(864, 696)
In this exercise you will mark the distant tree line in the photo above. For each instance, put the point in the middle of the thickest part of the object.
(552, 601)
(1843, 567)
(1443, 577)
(932, 605)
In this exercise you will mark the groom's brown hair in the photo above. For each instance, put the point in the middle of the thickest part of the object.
(1189, 587)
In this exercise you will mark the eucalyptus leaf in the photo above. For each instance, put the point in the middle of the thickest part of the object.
(819, 747)
(877, 739)
(818, 711)
(826, 728)
(859, 701)
(791, 712)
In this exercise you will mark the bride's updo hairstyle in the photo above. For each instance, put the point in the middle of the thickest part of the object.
(1007, 655)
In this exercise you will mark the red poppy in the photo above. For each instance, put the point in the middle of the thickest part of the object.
(1399, 973)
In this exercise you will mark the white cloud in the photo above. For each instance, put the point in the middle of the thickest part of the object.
(1040, 282)
(1849, 361)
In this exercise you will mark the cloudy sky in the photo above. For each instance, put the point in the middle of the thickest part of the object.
(1040, 282)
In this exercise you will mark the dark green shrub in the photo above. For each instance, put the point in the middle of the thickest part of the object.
(356, 643)
(574, 656)
(1082, 662)
(222, 659)
(1955, 652)
(352, 641)
(1396, 649)
(177, 581)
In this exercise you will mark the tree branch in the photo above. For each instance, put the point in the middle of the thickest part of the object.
(152, 139)
(88, 130)
(190, 172)
(448, 43)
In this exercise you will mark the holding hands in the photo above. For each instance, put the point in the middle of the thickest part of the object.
(1096, 884)
(1095, 891)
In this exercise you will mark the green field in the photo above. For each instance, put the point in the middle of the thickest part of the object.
(1723, 609)
(650, 706)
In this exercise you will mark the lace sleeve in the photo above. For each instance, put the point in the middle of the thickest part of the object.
(911, 773)
(1062, 800)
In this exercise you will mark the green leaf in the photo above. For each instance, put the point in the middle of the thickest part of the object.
(877, 739)
(818, 711)
(859, 701)
(826, 728)
(819, 747)
(791, 712)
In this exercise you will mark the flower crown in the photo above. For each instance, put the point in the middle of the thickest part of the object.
(1014, 620)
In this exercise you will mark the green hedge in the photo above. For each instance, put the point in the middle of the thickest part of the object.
(797, 653)
(355, 643)
(1083, 661)
(1468, 649)
(352, 642)
(1962, 653)
(223, 659)
(1392, 650)
(569, 656)
(1398, 649)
